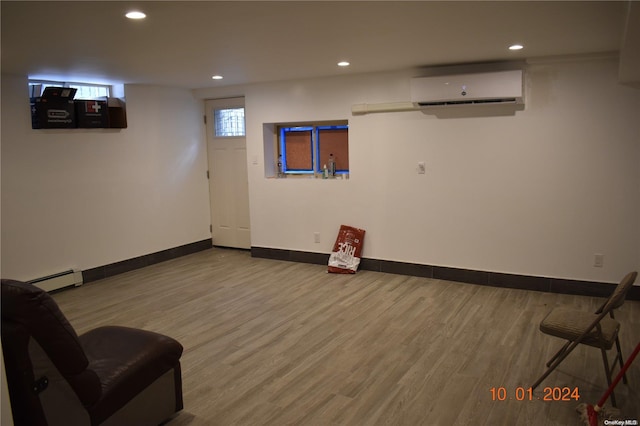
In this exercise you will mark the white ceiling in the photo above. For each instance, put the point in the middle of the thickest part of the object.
(183, 43)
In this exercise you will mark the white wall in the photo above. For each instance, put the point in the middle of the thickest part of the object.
(538, 193)
(81, 198)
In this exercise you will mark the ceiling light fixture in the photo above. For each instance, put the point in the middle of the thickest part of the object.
(135, 14)
(217, 77)
(343, 64)
(516, 47)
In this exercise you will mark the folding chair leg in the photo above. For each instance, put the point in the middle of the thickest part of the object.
(620, 360)
(607, 371)
(564, 348)
(557, 359)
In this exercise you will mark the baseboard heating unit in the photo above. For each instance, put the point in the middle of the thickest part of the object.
(60, 280)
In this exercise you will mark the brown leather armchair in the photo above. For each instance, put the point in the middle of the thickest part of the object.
(108, 376)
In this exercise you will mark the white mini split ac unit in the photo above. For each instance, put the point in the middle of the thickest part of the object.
(487, 88)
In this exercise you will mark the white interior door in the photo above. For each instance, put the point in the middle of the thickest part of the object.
(228, 180)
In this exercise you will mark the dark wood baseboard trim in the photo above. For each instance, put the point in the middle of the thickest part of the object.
(494, 279)
(116, 268)
(290, 255)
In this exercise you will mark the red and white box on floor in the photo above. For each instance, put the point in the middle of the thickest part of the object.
(347, 250)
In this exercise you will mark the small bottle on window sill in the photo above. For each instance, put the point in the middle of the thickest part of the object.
(332, 166)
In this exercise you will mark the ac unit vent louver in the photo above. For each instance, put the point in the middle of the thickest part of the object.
(470, 102)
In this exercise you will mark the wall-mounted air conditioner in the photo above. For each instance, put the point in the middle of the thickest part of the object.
(487, 88)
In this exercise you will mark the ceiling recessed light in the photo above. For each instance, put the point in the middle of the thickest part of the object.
(217, 77)
(516, 47)
(135, 14)
(343, 64)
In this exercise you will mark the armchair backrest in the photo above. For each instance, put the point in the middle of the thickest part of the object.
(30, 314)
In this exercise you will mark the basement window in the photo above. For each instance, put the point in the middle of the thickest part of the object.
(306, 148)
(84, 90)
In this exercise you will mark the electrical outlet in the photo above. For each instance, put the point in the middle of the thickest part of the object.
(316, 237)
(598, 260)
(421, 168)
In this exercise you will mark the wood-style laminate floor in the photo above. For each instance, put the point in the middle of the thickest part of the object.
(268, 342)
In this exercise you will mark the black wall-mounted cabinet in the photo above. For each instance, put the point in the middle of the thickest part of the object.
(56, 109)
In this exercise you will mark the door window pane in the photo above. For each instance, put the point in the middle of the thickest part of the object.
(229, 122)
